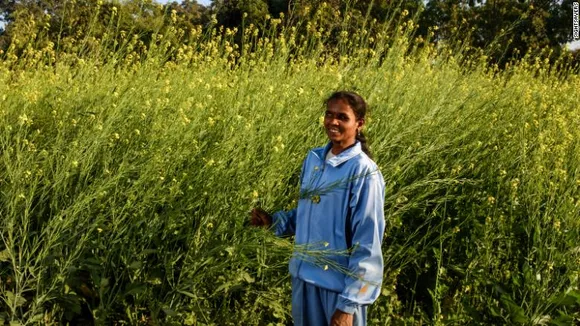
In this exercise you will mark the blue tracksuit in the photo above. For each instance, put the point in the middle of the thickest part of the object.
(340, 207)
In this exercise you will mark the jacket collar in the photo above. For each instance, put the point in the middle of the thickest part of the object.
(344, 156)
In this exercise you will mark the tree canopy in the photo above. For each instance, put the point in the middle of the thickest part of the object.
(506, 28)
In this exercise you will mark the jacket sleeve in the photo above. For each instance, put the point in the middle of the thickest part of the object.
(363, 284)
(284, 222)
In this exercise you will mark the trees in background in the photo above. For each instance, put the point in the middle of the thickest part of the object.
(62, 20)
(506, 28)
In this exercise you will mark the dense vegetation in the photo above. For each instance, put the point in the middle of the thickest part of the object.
(128, 170)
(506, 29)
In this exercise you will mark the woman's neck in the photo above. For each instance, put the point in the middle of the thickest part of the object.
(339, 148)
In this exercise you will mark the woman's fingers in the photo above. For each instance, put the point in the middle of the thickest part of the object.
(260, 217)
(266, 219)
(255, 219)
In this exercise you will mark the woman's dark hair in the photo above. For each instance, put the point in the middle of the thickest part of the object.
(359, 107)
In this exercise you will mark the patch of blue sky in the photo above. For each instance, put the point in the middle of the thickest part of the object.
(201, 2)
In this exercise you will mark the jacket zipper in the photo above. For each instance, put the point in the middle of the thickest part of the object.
(316, 184)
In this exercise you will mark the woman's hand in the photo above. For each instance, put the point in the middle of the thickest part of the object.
(260, 217)
(341, 318)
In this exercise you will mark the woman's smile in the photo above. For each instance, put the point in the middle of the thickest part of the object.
(332, 131)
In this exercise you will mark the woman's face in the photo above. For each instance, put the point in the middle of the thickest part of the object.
(341, 123)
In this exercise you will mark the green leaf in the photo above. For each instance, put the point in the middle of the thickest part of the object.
(516, 281)
(36, 319)
(457, 269)
(169, 312)
(247, 277)
(189, 294)
(567, 299)
(517, 313)
(562, 320)
(4, 255)
(576, 295)
(190, 320)
(104, 282)
(135, 288)
(72, 305)
(14, 300)
(224, 287)
(494, 312)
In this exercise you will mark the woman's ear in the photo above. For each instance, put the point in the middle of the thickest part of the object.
(361, 123)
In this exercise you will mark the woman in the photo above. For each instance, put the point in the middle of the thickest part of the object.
(340, 210)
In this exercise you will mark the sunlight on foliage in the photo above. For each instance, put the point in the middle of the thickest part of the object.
(129, 168)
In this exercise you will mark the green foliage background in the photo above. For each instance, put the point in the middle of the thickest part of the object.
(128, 172)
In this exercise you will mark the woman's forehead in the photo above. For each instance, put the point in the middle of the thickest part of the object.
(339, 106)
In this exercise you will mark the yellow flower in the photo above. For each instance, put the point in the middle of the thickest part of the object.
(24, 120)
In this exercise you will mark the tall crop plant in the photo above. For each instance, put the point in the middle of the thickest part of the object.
(127, 176)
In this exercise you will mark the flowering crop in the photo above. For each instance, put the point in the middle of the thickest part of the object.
(128, 171)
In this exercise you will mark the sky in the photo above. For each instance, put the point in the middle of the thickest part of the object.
(202, 2)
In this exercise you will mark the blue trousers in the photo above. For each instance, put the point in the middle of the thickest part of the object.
(314, 306)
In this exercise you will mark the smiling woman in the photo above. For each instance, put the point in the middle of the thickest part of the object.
(340, 211)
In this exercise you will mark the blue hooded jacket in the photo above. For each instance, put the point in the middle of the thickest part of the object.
(341, 206)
